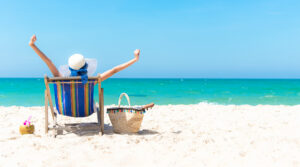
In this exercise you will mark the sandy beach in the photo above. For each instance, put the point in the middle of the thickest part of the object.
(171, 135)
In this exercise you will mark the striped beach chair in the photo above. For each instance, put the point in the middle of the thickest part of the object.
(73, 99)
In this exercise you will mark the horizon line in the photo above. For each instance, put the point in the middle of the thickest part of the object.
(157, 78)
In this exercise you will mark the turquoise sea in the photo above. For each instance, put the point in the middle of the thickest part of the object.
(30, 91)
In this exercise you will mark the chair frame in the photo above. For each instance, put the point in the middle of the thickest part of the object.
(100, 111)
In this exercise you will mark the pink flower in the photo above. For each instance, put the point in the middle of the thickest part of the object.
(27, 122)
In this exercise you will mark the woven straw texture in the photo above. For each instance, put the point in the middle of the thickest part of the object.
(125, 120)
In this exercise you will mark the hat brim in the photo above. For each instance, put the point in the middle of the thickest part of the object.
(91, 69)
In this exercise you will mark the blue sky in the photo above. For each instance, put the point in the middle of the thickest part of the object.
(181, 39)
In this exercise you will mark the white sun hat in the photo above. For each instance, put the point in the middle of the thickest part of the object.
(77, 61)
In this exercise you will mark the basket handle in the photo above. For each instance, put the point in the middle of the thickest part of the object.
(120, 98)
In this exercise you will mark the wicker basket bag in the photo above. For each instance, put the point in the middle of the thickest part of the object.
(126, 119)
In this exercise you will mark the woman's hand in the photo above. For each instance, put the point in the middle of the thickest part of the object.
(137, 54)
(32, 40)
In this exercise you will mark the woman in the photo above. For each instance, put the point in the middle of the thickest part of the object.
(77, 63)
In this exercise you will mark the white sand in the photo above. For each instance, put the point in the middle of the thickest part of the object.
(173, 135)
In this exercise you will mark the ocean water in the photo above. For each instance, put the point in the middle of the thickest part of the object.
(30, 91)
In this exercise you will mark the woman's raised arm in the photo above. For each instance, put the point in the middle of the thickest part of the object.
(49, 63)
(121, 67)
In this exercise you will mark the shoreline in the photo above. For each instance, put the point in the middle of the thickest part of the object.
(197, 104)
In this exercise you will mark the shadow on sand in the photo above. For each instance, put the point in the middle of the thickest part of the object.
(91, 129)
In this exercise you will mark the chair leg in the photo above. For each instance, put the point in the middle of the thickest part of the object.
(99, 120)
(102, 113)
(46, 112)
